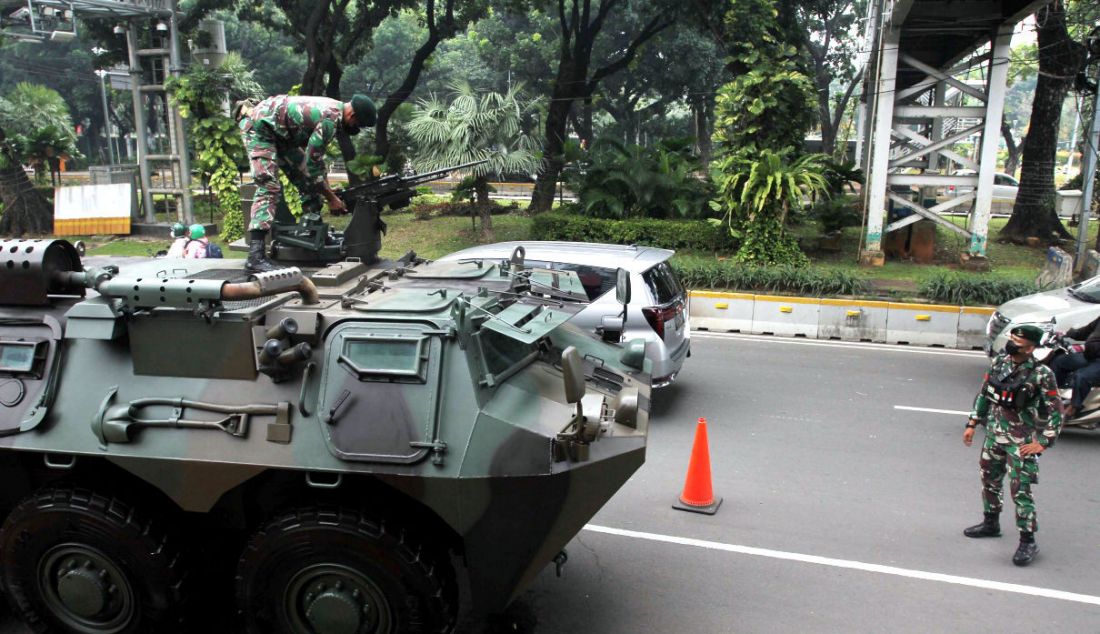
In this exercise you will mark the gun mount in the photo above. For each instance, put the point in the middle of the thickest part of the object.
(311, 240)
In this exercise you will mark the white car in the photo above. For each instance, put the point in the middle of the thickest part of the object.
(1072, 306)
(1005, 186)
(658, 308)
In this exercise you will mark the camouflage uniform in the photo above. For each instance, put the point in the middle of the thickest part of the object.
(1039, 419)
(289, 133)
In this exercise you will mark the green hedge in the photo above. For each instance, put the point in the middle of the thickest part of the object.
(974, 289)
(695, 235)
(728, 275)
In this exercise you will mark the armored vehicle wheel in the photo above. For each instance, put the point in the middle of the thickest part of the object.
(77, 561)
(334, 571)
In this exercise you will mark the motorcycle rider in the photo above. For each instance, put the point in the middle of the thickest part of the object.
(1084, 366)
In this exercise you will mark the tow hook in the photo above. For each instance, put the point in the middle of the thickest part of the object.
(559, 562)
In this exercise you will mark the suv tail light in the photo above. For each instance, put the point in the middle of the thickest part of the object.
(658, 315)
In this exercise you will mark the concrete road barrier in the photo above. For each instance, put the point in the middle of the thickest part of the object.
(846, 319)
(722, 312)
(923, 324)
(792, 316)
(972, 323)
(852, 320)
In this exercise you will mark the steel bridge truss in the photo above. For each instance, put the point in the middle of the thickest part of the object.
(918, 111)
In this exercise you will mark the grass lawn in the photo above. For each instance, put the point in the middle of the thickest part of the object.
(441, 235)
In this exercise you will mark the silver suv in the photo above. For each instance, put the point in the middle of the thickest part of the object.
(658, 309)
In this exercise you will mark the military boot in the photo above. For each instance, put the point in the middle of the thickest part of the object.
(257, 260)
(990, 527)
(1026, 551)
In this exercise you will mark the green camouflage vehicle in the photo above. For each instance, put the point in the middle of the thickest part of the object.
(363, 449)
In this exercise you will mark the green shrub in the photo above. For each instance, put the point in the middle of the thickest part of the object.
(836, 213)
(727, 275)
(954, 288)
(695, 235)
(633, 181)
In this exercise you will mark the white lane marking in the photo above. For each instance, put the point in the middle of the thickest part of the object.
(932, 410)
(972, 582)
(885, 347)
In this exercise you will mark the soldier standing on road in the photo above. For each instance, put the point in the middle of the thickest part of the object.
(291, 133)
(1019, 406)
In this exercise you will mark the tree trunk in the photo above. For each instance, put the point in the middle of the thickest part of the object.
(343, 139)
(437, 32)
(484, 207)
(1060, 58)
(1012, 161)
(26, 210)
(542, 197)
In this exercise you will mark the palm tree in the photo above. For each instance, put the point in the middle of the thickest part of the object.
(34, 126)
(471, 128)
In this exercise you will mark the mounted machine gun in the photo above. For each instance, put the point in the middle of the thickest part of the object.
(309, 239)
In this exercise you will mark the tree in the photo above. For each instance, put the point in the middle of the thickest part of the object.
(831, 41)
(471, 128)
(579, 73)
(442, 21)
(219, 149)
(1060, 59)
(756, 192)
(34, 127)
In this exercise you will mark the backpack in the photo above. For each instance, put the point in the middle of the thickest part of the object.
(213, 251)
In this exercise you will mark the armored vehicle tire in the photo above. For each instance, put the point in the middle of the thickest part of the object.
(72, 560)
(329, 570)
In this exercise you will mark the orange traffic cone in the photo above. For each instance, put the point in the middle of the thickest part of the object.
(698, 496)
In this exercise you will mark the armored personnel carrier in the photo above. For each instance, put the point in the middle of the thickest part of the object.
(366, 448)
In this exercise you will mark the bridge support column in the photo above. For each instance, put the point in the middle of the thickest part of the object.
(883, 116)
(991, 136)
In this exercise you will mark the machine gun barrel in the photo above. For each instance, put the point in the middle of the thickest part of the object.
(394, 182)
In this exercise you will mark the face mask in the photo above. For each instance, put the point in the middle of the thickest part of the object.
(1012, 348)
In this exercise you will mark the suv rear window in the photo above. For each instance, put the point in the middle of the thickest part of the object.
(663, 284)
(596, 280)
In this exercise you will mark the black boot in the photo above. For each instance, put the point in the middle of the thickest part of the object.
(1027, 549)
(257, 261)
(990, 527)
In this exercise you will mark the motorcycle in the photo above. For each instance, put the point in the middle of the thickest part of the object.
(1054, 345)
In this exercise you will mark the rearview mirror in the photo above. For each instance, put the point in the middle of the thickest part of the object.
(572, 371)
(622, 287)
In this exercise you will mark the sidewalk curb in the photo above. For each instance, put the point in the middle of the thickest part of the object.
(935, 325)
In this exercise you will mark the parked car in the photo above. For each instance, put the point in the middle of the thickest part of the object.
(658, 309)
(1005, 186)
(1073, 306)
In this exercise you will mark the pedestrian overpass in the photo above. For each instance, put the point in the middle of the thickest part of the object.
(936, 75)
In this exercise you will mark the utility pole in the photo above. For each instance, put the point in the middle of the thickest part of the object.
(106, 115)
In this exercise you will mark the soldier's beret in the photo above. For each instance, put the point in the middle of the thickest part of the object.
(365, 112)
(1034, 334)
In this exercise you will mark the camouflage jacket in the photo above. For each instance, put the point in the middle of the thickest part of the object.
(308, 123)
(1039, 418)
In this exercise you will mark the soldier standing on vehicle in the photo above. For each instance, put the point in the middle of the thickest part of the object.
(291, 133)
(1019, 406)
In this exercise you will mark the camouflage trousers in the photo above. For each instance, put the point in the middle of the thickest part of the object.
(266, 159)
(997, 458)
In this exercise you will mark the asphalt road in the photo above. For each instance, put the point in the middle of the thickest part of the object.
(841, 512)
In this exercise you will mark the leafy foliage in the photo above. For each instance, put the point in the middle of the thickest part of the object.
(836, 213)
(695, 235)
(621, 181)
(36, 122)
(755, 193)
(955, 288)
(732, 276)
(475, 127)
(219, 150)
(771, 106)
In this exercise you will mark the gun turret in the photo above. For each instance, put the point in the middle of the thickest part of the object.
(312, 241)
